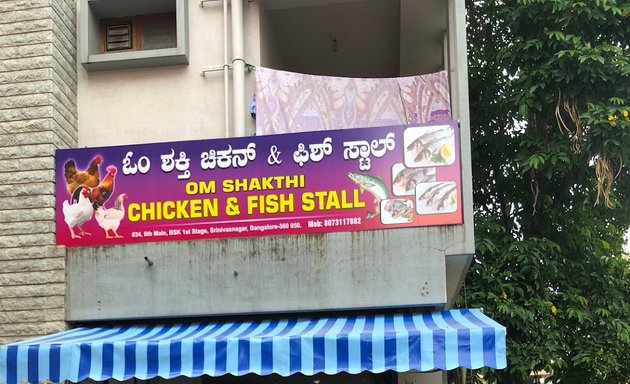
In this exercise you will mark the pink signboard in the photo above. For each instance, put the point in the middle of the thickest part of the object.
(326, 181)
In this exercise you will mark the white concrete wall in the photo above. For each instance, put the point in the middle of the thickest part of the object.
(167, 103)
(346, 270)
(367, 35)
(421, 43)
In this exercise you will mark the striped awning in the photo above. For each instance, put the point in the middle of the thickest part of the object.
(376, 343)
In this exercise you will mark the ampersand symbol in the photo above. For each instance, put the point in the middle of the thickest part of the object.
(274, 156)
(231, 207)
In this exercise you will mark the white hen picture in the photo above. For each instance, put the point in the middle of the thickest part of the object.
(77, 214)
(109, 219)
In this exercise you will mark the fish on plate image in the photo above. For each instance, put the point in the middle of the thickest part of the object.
(438, 197)
(404, 180)
(429, 146)
(397, 211)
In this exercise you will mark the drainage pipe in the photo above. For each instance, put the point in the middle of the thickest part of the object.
(226, 69)
(238, 69)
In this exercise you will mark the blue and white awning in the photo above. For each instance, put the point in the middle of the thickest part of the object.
(376, 343)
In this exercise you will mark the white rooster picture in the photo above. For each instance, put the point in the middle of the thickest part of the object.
(75, 215)
(109, 219)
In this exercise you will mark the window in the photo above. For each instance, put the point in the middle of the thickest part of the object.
(118, 34)
(139, 33)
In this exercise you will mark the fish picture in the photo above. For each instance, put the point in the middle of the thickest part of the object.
(438, 197)
(404, 180)
(397, 211)
(375, 185)
(429, 147)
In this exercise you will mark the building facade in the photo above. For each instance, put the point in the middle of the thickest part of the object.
(104, 73)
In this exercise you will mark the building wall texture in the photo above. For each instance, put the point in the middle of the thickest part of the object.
(38, 114)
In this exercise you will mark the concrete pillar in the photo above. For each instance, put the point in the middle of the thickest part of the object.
(37, 115)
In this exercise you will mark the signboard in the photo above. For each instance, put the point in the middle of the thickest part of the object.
(325, 181)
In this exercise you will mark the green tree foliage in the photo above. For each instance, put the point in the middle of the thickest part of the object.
(549, 101)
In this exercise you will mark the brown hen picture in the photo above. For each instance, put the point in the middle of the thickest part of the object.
(89, 177)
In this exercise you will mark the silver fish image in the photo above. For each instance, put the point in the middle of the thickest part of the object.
(439, 197)
(406, 179)
(435, 147)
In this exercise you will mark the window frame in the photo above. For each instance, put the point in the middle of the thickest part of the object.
(93, 55)
(137, 30)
